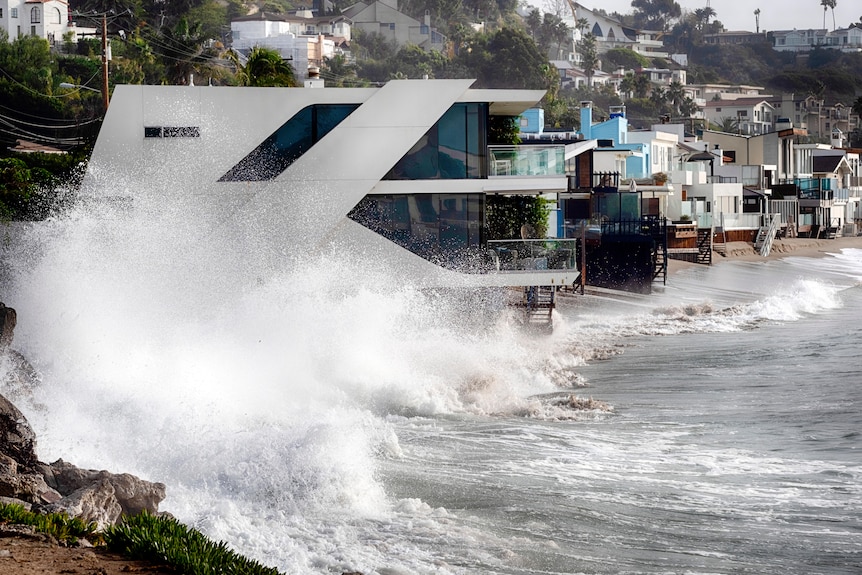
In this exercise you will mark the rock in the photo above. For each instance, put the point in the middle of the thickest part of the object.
(131, 494)
(96, 502)
(91, 495)
(17, 440)
(8, 320)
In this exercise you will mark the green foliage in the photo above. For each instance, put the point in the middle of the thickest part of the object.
(588, 50)
(146, 536)
(745, 64)
(506, 214)
(503, 130)
(59, 525)
(655, 14)
(506, 59)
(625, 57)
(265, 67)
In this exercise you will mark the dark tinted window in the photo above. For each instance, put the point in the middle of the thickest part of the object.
(288, 143)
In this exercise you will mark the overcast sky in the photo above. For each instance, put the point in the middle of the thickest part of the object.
(739, 14)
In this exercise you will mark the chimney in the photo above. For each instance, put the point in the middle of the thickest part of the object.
(587, 119)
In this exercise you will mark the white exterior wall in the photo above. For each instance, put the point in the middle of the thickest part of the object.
(49, 20)
(266, 226)
(662, 147)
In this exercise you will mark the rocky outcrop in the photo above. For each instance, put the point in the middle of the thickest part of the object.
(91, 495)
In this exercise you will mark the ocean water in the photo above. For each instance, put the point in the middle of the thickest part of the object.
(320, 421)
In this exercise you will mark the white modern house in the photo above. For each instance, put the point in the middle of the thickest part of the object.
(752, 116)
(393, 180)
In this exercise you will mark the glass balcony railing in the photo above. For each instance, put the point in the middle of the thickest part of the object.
(547, 254)
(527, 160)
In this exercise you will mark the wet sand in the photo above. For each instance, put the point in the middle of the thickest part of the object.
(803, 247)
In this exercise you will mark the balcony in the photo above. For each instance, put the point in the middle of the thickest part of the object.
(540, 160)
(513, 255)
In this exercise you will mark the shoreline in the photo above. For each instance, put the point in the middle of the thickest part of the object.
(781, 248)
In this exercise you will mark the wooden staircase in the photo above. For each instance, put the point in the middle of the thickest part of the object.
(704, 245)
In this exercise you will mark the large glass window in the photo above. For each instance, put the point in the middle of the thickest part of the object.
(288, 143)
(453, 149)
(35, 15)
(443, 228)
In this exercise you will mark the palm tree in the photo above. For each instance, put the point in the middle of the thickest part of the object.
(708, 13)
(183, 51)
(728, 124)
(627, 85)
(829, 4)
(675, 95)
(264, 67)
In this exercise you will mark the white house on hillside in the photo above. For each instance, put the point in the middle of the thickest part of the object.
(47, 19)
(845, 39)
(303, 39)
(382, 17)
(752, 115)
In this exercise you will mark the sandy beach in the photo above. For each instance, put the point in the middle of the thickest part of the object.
(803, 247)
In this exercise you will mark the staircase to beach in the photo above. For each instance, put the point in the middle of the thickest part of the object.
(704, 245)
(538, 305)
(766, 235)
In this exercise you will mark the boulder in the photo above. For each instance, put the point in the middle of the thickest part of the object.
(131, 493)
(17, 440)
(91, 495)
(96, 502)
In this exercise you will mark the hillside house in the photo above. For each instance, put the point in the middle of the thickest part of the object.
(752, 116)
(845, 39)
(47, 19)
(382, 17)
(302, 38)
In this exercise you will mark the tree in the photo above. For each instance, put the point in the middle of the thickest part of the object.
(554, 33)
(264, 67)
(675, 95)
(183, 52)
(688, 108)
(627, 85)
(642, 85)
(728, 124)
(655, 14)
(757, 20)
(337, 71)
(19, 187)
(827, 4)
(589, 55)
(857, 107)
(508, 58)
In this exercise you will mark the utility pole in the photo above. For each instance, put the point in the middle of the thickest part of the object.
(105, 62)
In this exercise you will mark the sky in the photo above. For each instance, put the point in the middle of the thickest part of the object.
(739, 14)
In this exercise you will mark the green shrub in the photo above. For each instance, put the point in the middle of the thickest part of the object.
(59, 525)
(164, 539)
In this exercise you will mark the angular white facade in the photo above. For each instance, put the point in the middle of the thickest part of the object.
(334, 170)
